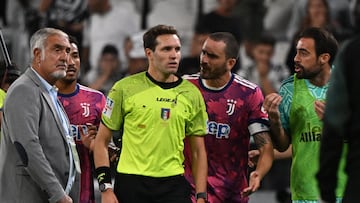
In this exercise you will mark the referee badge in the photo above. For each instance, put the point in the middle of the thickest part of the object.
(165, 114)
(107, 111)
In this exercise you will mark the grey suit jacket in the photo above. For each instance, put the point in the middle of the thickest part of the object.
(34, 155)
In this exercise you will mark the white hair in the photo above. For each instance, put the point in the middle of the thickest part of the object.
(38, 40)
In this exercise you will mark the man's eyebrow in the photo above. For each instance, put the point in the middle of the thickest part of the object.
(209, 53)
(60, 46)
(302, 49)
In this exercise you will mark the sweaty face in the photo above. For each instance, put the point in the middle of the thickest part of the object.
(52, 61)
(73, 62)
(213, 62)
(307, 64)
(166, 57)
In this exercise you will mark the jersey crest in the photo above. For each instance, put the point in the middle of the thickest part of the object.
(165, 113)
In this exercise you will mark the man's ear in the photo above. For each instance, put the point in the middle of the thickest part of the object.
(148, 52)
(324, 58)
(37, 55)
(231, 63)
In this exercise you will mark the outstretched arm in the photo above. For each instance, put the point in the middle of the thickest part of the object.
(102, 165)
(266, 157)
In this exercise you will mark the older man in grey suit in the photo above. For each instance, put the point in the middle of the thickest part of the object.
(38, 160)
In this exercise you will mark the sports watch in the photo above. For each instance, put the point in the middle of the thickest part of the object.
(104, 186)
(202, 195)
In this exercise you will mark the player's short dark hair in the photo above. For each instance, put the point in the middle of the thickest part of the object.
(325, 42)
(149, 37)
(232, 46)
(73, 39)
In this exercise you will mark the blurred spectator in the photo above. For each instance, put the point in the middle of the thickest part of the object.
(263, 72)
(180, 14)
(28, 12)
(108, 72)
(110, 22)
(23, 18)
(66, 15)
(338, 15)
(137, 61)
(277, 17)
(220, 19)
(317, 15)
(250, 14)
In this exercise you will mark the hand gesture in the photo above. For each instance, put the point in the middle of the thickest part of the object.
(88, 137)
(254, 184)
(271, 105)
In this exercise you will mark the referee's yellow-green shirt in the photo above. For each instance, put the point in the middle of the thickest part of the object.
(155, 122)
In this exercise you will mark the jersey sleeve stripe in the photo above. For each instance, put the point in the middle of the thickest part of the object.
(244, 82)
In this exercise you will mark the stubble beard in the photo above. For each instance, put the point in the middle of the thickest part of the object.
(209, 74)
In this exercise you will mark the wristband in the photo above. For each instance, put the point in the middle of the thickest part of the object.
(202, 195)
(103, 174)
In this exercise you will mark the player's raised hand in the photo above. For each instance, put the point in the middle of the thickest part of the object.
(271, 105)
(88, 136)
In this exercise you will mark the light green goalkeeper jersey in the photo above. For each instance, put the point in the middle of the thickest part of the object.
(155, 119)
(305, 130)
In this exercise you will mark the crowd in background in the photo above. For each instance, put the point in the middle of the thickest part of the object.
(99, 23)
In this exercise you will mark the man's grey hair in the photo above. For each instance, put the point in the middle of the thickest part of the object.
(38, 40)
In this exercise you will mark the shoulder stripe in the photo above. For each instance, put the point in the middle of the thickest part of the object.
(246, 83)
(82, 87)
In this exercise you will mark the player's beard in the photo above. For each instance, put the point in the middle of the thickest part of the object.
(58, 74)
(307, 74)
(209, 73)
